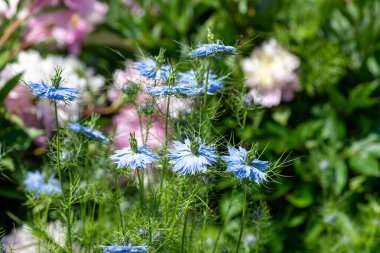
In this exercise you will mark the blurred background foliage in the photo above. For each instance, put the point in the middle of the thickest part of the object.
(326, 199)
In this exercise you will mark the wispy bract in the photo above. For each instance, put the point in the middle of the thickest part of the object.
(188, 80)
(139, 159)
(36, 182)
(60, 94)
(88, 132)
(217, 50)
(241, 166)
(149, 69)
(191, 157)
(125, 249)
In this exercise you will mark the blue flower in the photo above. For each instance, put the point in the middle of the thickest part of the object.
(125, 249)
(191, 157)
(89, 132)
(159, 91)
(60, 94)
(241, 166)
(139, 159)
(216, 50)
(149, 69)
(37, 183)
(189, 80)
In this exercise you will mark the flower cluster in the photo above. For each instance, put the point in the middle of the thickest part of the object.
(40, 114)
(271, 74)
(36, 182)
(69, 23)
(192, 157)
(88, 132)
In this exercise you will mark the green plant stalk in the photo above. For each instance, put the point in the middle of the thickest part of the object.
(183, 241)
(68, 218)
(206, 86)
(165, 163)
(205, 213)
(141, 186)
(242, 221)
(118, 205)
(222, 227)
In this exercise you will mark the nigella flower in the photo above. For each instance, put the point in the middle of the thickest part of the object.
(189, 80)
(125, 249)
(37, 183)
(149, 69)
(89, 132)
(60, 94)
(159, 91)
(191, 157)
(217, 50)
(239, 163)
(134, 157)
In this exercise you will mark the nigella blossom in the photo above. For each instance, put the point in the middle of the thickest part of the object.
(149, 69)
(60, 94)
(88, 132)
(240, 164)
(191, 157)
(37, 183)
(189, 79)
(160, 91)
(125, 249)
(217, 50)
(134, 158)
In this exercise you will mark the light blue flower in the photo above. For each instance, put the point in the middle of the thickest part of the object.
(160, 91)
(60, 94)
(139, 159)
(191, 157)
(37, 183)
(189, 80)
(89, 132)
(149, 69)
(125, 249)
(217, 50)
(239, 163)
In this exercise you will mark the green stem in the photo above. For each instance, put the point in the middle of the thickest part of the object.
(165, 164)
(184, 232)
(141, 185)
(206, 85)
(242, 221)
(205, 213)
(118, 205)
(68, 200)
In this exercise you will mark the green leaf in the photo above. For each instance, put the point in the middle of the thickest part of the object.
(340, 171)
(367, 165)
(302, 198)
(9, 86)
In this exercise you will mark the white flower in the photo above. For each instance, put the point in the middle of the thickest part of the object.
(271, 74)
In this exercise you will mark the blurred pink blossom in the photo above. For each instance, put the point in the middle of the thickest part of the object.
(127, 121)
(272, 74)
(68, 26)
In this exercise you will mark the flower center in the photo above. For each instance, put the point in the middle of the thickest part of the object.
(194, 146)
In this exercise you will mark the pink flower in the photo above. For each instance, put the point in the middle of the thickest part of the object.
(68, 26)
(127, 121)
(271, 74)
